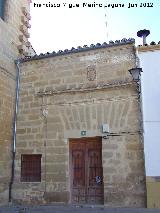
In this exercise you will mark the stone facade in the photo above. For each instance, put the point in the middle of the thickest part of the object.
(9, 42)
(62, 95)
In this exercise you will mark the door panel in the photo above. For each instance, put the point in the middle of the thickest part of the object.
(78, 172)
(79, 175)
(95, 181)
(86, 170)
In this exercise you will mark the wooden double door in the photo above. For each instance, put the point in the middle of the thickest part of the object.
(86, 170)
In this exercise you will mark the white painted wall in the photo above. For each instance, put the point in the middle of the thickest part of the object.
(150, 63)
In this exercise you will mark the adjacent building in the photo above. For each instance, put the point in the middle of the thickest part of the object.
(13, 38)
(149, 56)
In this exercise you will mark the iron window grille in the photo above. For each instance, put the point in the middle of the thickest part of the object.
(31, 168)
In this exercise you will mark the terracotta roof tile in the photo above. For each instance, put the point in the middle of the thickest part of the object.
(80, 49)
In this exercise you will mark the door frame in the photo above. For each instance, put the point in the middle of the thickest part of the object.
(70, 163)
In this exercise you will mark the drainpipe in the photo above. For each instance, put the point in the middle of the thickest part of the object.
(17, 63)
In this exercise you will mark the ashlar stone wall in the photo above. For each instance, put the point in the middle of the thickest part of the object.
(61, 96)
(9, 41)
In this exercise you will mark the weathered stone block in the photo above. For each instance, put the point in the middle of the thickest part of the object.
(54, 197)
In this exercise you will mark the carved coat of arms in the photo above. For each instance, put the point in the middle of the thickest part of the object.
(91, 72)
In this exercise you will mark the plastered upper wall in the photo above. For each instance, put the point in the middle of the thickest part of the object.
(71, 69)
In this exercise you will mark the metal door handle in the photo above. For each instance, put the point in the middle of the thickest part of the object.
(98, 179)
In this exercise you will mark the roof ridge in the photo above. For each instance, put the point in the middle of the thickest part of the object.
(79, 49)
(151, 43)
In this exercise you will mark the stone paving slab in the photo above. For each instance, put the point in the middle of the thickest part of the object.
(73, 209)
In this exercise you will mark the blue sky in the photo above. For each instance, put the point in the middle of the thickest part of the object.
(59, 28)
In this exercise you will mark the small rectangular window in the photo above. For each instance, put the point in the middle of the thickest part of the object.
(31, 168)
(2, 3)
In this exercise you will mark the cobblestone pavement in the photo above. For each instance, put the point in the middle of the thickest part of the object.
(73, 209)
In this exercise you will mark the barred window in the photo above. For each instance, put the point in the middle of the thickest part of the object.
(2, 3)
(31, 168)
